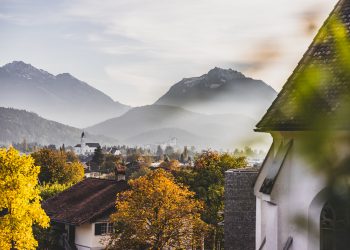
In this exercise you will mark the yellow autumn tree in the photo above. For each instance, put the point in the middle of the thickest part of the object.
(157, 213)
(19, 201)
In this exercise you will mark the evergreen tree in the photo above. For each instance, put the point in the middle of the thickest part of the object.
(169, 150)
(184, 155)
(160, 152)
(98, 157)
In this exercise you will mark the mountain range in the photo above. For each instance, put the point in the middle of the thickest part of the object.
(17, 125)
(218, 109)
(61, 97)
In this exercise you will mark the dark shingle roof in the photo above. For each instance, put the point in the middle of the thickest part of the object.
(294, 108)
(84, 202)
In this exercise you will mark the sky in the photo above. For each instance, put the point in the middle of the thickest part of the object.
(134, 50)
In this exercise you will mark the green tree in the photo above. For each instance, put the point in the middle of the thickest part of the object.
(51, 163)
(139, 173)
(160, 153)
(56, 168)
(184, 155)
(97, 158)
(207, 180)
(19, 200)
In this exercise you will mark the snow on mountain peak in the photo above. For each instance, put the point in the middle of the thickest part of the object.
(27, 71)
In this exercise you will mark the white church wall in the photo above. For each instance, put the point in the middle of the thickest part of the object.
(271, 226)
(294, 191)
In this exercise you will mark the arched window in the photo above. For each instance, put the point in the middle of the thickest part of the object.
(335, 233)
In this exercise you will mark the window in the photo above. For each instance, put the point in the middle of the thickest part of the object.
(335, 226)
(275, 168)
(103, 228)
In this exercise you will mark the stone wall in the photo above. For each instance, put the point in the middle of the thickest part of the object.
(240, 203)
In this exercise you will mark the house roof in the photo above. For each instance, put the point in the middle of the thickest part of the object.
(85, 201)
(302, 99)
(90, 144)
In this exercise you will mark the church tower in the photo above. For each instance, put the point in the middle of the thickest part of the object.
(82, 144)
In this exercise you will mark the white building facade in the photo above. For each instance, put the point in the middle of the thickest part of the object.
(294, 210)
(85, 148)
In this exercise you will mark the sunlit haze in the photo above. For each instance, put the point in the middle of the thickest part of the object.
(135, 50)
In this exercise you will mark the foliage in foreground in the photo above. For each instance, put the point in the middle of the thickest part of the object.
(157, 213)
(19, 200)
(207, 180)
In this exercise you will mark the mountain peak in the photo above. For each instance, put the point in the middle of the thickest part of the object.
(18, 66)
(226, 90)
(25, 70)
(227, 74)
(66, 76)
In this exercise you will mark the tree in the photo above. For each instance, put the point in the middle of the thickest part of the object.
(141, 172)
(159, 153)
(73, 172)
(98, 157)
(156, 213)
(19, 200)
(169, 150)
(49, 190)
(58, 166)
(51, 163)
(207, 180)
(184, 155)
(24, 146)
(170, 165)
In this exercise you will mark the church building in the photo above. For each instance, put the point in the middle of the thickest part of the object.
(293, 207)
(85, 148)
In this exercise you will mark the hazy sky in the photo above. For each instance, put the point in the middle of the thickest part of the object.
(134, 50)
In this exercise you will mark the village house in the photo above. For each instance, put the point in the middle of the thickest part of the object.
(82, 212)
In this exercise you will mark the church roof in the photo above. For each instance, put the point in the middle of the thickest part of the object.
(84, 202)
(89, 144)
(307, 92)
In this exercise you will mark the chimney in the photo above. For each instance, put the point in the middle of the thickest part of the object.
(120, 172)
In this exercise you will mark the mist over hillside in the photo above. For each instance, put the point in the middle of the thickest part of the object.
(61, 97)
(221, 91)
(17, 125)
(216, 110)
(155, 124)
